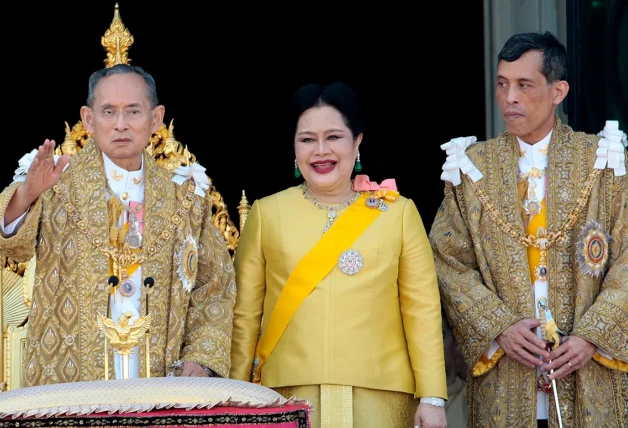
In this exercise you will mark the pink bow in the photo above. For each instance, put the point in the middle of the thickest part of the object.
(362, 184)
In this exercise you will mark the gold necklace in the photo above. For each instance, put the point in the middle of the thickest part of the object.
(332, 210)
(123, 256)
(548, 239)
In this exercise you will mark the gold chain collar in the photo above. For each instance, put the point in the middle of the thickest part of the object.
(120, 256)
(549, 239)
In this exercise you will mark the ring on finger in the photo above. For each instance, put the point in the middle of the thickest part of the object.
(569, 364)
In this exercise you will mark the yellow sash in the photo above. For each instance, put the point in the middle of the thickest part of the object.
(534, 254)
(309, 272)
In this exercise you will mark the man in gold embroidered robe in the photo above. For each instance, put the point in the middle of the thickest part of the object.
(490, 278)
(61, 213)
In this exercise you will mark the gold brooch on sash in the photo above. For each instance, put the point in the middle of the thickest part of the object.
(188, 262)
(592, 253)
(350, 262)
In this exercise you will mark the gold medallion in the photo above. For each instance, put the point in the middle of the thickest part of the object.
(532, 207)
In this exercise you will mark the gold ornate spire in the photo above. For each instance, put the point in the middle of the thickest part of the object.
(68, 145)
(117, 41)
(243, 210)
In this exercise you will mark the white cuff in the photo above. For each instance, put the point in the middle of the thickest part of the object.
(10, 228)
(491, 351)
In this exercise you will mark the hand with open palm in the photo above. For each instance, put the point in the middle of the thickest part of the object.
(41, 176)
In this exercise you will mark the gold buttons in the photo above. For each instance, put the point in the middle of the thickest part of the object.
(125, 195)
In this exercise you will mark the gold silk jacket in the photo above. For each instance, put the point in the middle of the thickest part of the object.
(485, 282)
(378, 329)
(192, 299)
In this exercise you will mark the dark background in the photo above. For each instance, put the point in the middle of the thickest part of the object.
(598, 70)
(226, 76)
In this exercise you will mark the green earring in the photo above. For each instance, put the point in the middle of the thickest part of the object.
(297, 172)
(358, 165)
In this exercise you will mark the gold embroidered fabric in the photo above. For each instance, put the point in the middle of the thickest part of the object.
(485, 283)
(192, 311)
(137, 395)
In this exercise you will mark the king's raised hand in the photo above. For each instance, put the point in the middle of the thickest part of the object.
(42, 173)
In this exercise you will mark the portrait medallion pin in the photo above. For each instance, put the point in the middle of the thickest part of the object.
(371, 201)
(127, 289)
(350, 262)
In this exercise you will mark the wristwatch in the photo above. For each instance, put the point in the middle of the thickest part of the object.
(432, 401)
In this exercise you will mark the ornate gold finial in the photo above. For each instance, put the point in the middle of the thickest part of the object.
(117, 41)
(243, 210)
(171, 143)
(68, 145)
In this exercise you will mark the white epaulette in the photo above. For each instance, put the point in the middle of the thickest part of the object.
(457, 161)
(611, 150)
(195, 172)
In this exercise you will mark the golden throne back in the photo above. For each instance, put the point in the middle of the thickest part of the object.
(16, 279)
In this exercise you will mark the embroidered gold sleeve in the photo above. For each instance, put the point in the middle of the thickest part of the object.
(208, 326)
(606, 322)
(476, 313)
(20, 246)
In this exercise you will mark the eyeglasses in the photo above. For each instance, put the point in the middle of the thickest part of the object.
(132, 115)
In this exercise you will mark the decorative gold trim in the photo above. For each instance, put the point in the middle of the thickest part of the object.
(28, 280)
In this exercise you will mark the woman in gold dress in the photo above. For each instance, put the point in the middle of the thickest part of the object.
(337, 297)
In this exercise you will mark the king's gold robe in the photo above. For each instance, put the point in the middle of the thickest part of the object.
(485, 282)
(191, 301)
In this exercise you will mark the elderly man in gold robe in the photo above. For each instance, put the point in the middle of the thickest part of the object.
(537, 216)
(112, 211)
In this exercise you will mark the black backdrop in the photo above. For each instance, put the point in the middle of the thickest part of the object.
(598, 63)
(226, 74)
